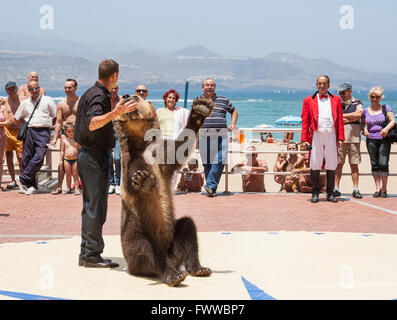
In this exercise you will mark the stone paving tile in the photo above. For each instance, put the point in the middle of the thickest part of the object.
(45, 214)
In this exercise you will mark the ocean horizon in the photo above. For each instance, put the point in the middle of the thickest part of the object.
(254, 107)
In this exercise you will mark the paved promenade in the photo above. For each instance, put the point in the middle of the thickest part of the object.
(259, 246)
(43, 214)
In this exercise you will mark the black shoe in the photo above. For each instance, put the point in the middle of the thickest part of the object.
(337, 193)
(99, 262)
(314, 198)
(383, 194)
(357, 194)
(331, 198)
(210, 191)
(376, 194)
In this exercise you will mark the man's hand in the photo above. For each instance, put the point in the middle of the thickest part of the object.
(232, 126)
(125, 107)
(340, 143)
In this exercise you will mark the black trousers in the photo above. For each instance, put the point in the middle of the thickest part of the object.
(93, 169)
(379, 153)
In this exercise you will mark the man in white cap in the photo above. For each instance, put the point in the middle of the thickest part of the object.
(352, 113)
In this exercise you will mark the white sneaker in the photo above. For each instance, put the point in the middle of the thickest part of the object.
(21, 186)
(31, 190)
(112, 189)
(118, 190)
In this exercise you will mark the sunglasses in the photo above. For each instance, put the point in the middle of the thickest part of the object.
(342, 92)
(375, 97)
(140, 90)
(35, 88)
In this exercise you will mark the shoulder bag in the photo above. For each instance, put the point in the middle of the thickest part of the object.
(24, 127)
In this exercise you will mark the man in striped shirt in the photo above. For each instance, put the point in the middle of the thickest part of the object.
(213, 141)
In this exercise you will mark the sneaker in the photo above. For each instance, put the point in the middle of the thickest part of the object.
(118, 190)
(337, 193)
(357, 194)
(112, 189)
(31, 190)
(23, 188)
(11, 185)
(210, 191)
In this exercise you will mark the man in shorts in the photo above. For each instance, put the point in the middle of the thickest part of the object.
(13, 144)
(66, 113)
(352, 113)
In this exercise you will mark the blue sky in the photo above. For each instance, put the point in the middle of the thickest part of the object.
(243, 28)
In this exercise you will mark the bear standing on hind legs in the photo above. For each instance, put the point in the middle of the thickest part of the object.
(154, 243)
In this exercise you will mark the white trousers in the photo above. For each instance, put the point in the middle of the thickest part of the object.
(324, 147)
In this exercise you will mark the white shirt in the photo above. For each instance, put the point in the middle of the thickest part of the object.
(325, 119)
(42, 117)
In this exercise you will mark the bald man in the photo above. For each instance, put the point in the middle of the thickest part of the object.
(23, 91)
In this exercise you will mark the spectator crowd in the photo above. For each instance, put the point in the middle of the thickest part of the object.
(338, 122)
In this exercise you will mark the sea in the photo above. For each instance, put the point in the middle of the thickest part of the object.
(254, 107)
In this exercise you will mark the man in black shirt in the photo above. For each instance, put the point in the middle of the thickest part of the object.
(94, 132)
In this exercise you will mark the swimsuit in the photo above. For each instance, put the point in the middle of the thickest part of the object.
(70, 161)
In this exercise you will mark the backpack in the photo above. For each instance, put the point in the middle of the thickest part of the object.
(392, 135)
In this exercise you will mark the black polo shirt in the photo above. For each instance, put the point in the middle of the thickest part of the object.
(94, 102)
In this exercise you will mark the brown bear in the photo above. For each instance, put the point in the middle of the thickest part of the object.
(154, 243)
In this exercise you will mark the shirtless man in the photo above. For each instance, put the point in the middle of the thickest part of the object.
(23, 91)
(12, 102)
(252, 182)
(66, 113)
(191, 179)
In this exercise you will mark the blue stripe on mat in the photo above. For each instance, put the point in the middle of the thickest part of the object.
(254, 292)
(26, 296)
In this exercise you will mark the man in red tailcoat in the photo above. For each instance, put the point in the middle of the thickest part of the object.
(322, 128)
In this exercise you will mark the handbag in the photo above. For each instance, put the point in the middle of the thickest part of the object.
(24, 127)
(392, 134)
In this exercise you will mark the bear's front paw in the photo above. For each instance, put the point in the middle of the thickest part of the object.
(142, 181)
(203, 107)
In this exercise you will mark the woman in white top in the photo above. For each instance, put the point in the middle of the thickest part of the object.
(172, 119)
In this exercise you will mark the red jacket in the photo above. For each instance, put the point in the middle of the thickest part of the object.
(310, 117)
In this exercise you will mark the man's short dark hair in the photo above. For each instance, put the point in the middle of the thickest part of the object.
(107, 68)
(75, 82)
(323, 76)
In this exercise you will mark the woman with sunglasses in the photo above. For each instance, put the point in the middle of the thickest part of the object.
(377, 144)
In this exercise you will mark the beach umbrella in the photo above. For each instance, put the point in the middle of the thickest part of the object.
(264, 126)
(289, 121)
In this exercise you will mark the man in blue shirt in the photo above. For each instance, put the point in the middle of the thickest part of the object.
(213, 141)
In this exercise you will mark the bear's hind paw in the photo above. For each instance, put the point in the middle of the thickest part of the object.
(174, 280)
(200, 272)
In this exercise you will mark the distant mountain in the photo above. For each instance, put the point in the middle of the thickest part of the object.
(164, 70)
(195, 51)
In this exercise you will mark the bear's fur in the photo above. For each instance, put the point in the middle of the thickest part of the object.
(154, 243)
